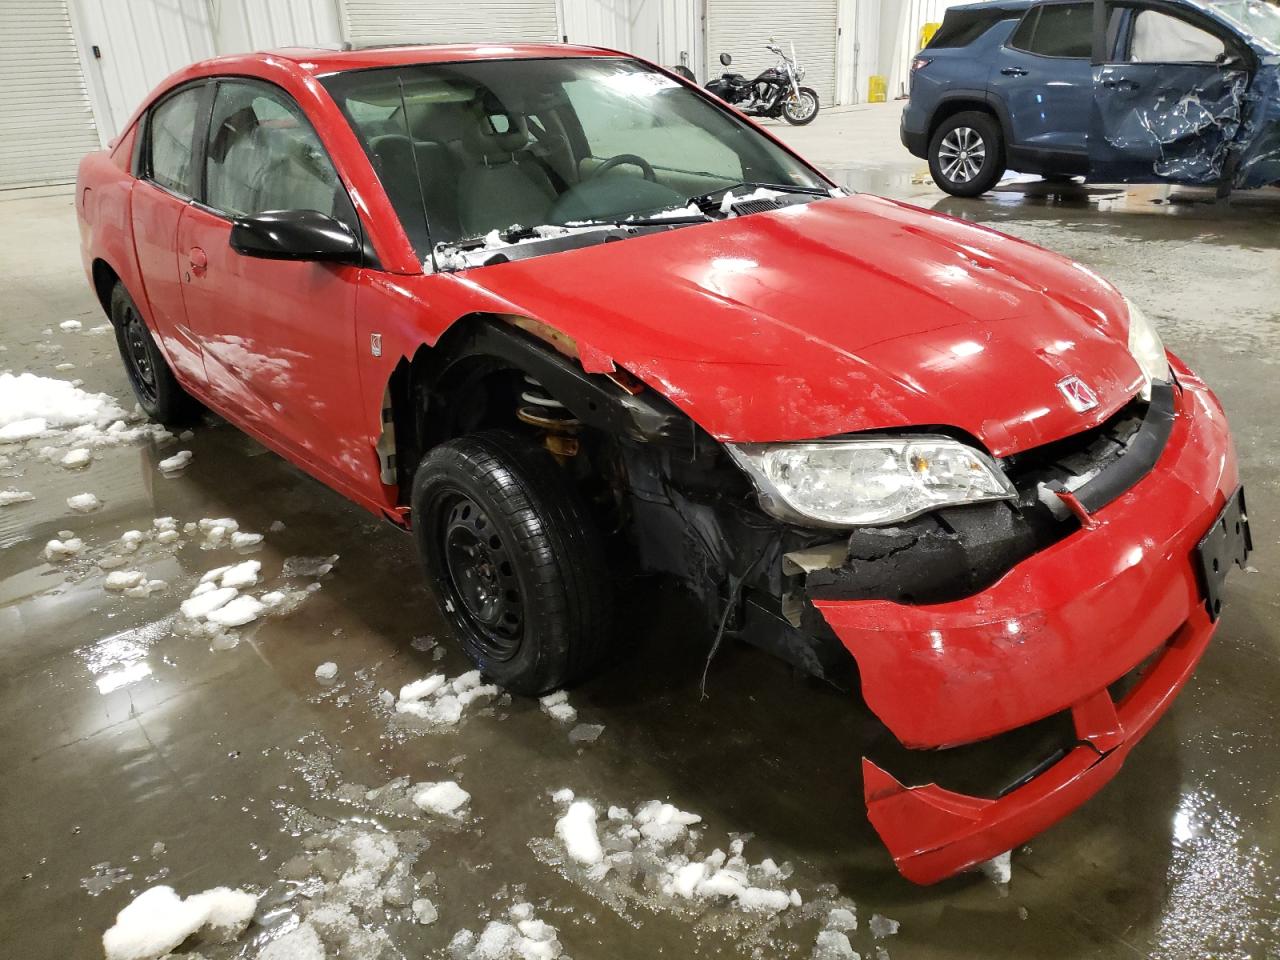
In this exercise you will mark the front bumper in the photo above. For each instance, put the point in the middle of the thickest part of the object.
(1049, 636)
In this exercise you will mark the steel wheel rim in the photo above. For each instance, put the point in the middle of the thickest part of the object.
(481, 579)
(137, 350)
(802, 108)
(961, 154)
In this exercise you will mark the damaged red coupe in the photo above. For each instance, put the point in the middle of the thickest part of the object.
(565, 314)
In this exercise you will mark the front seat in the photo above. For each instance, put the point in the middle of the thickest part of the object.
(501, 184)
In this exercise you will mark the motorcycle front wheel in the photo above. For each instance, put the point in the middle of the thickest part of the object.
(801, 110)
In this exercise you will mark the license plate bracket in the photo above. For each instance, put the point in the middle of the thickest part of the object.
(1226, 542)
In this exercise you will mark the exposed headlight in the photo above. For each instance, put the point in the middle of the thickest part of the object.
(849, 483)
(1147, 349)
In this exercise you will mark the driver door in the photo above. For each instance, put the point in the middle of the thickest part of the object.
(277, 336)
(1168, 94)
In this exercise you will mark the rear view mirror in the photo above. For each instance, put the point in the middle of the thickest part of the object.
(725, 59)
(295, 235)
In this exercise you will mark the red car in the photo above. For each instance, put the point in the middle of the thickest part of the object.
(567, 315)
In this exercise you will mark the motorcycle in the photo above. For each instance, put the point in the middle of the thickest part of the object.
(774, 93)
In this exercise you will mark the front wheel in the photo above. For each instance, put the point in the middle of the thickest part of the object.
(966, 154)
(802, 109)
(517, 561)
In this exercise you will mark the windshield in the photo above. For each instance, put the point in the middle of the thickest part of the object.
(465, 149)
(1257, 17)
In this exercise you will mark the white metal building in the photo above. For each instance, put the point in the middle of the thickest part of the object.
(72, 71)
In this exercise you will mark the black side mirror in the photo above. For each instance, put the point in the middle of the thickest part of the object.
(295, 235)
(725, 59)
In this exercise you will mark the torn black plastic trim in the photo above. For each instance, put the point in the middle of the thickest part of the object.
(1142, 455)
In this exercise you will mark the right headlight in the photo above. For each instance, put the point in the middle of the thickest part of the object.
(868, 481)
(1147, 349)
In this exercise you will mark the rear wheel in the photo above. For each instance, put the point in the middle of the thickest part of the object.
(516, 560)
(158, 391)
(801, 110)
(966, 154)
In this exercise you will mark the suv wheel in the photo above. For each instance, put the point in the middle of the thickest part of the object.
(516, 560)
(159, 394)
(966, 154)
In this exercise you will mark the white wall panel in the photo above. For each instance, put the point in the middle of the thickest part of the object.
(598, 23)
(668, 32)
(46, 117)
(241, 26)
(451, 21)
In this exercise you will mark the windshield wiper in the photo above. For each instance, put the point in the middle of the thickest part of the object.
(712, 196)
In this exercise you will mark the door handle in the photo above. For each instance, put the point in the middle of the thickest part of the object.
(1013, 72)
(199, 261)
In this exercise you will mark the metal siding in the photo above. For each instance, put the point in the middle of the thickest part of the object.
(742, 27)
(601, 23)
(437, 21)
(46, 118)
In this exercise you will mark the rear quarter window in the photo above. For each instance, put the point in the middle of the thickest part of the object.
(961, 29)
(1056, 30)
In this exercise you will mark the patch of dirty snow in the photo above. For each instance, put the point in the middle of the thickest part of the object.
(650, 858)
(557, 707)
(300, 943)
(522, 936)
(586, 733)
(158, 920)
(437, 702)
(9, 497)
(882, 926)
(444, 798)
(59, 411)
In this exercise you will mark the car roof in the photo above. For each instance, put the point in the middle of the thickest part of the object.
(1011, 6)
(325, 60)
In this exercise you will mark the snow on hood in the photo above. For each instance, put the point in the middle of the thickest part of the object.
(842, 315)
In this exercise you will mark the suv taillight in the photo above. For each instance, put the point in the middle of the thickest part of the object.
(919, 62)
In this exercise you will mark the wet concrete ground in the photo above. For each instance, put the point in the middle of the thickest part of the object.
(120, 734)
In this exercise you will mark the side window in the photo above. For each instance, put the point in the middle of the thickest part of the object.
(1160, 38)
(1056, 30)
(264, 155)
(169, 138)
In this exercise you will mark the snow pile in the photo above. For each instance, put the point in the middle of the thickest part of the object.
(216, 532)
(219, 603)
(9, 497)
(441, 702)
(557, 707)
(521, 937)
(158, 920)
(650, 857)
(32, 406)
(68, 546)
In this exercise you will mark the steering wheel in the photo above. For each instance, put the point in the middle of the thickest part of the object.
(624, 158)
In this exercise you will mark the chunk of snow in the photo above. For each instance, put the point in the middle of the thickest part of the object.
(70, 325)
(199, 606)
(842, 919)
(124, 579)
(300, 943)
(60, 549)
(158, 920)
(564, 795)
(241, 540)
(241, 575)
(16, 431)
(84, 503)
(76, 458)
(236, 613)
(58, 403)
(175, 463)
(586, 733)
(445, 798)
(327, 670)
(833, 945)
(420, 689)
(882, 927)
(577, 828)
(424, 911)
(9, 497)
(999, 869)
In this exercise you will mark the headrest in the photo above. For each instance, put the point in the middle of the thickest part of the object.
(496, 134)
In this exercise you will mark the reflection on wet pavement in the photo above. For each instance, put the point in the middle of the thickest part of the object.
(138, 753)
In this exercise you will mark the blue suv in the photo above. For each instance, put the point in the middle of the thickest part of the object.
(1119, 91)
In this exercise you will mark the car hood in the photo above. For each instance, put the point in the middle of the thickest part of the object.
(841, 315)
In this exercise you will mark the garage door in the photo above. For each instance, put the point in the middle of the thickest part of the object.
(434, 21)
(46, 123)
(742, 27)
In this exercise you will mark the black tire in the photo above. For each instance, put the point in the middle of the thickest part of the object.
(159, 394)
(953, 151)
(517, 563)
(804, 117)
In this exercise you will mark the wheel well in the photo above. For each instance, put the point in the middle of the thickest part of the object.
(104, 281)
(950, 108)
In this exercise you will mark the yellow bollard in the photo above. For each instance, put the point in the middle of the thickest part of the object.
(877, 89)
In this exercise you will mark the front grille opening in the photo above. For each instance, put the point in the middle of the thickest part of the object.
(1123, 686)
(990, 768)
(1079, 454)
